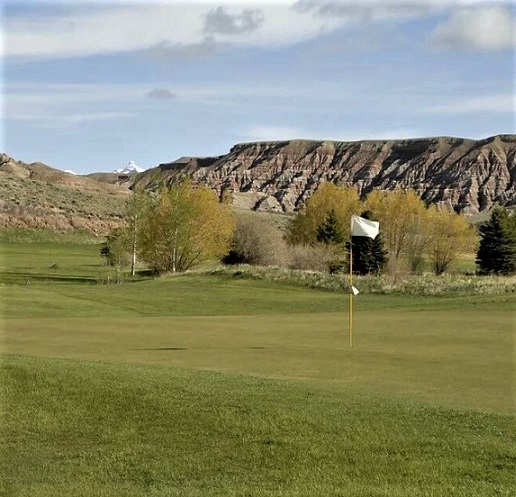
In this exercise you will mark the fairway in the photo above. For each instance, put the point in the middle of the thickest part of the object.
(427, 365)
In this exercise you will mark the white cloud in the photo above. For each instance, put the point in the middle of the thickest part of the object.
(182, 28)
(107, 30)
(485, 27)
(279, 133)
(500, 104)
(138, 26)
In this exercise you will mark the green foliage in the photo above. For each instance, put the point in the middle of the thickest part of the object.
(401, 214)
(497, 249)
(411, 232)
(344, 201)
(330, 231)
(449, 235)
(115, 249)
(369, 256)
(178, 227)
(331, 234)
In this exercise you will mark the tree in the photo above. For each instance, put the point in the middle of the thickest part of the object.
(450, 234)
(134, 215)
(183, 226)
(330, 230)
(497, 250)
(399, 212)
(115, 251)
(331, 233)
(343, 200)
(416, 242)
(369, 256)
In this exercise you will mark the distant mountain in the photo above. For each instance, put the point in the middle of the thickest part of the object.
(37, 196)
(468, 175)
(131, 168)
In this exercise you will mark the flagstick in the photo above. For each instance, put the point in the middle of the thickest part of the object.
(351, 293)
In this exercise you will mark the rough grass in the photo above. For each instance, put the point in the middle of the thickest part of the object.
(425, 285)
(82, 428)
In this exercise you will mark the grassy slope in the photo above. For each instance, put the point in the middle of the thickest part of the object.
(421, 406)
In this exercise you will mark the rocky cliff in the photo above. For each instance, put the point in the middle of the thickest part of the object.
(468, 175)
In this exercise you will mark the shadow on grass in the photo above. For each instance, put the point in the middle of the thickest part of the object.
(164, 348)
(27, 279)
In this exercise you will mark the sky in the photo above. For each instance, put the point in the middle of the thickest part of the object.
(89, 86)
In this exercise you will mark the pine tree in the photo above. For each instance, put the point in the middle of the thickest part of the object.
(369, 256)
(330, 231)
(497, 250)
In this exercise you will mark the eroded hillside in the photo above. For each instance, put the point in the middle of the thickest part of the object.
(468, 175)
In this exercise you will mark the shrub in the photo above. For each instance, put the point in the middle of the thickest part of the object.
(257, 241)
(311, 257)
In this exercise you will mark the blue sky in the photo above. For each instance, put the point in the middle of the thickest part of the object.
(89, 86)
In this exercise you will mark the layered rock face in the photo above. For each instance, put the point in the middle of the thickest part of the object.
(467, 175)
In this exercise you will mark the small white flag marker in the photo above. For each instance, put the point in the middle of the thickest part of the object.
(354, 290)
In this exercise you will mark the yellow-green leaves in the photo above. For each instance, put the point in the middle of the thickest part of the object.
(182, 226)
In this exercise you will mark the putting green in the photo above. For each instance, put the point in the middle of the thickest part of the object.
(459, 358)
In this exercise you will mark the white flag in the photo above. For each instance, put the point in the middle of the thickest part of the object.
(354, 290)
(364, 227)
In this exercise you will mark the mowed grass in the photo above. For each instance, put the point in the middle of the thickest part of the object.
(197, 385)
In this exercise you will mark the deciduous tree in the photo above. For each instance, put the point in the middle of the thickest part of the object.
(449, 235)
(184, 226)
(344, 201)
(399, 213)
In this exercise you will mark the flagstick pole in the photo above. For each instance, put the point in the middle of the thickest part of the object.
(351, 293)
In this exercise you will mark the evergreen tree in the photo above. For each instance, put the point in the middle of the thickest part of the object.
(330, 231)
(497, 250)
(369, 256)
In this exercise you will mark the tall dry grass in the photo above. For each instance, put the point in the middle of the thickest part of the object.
(423, 285)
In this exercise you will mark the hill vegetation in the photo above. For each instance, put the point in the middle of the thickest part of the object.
(38, 196)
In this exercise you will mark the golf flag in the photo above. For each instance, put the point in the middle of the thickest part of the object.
(354, 290)
(364, 227)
